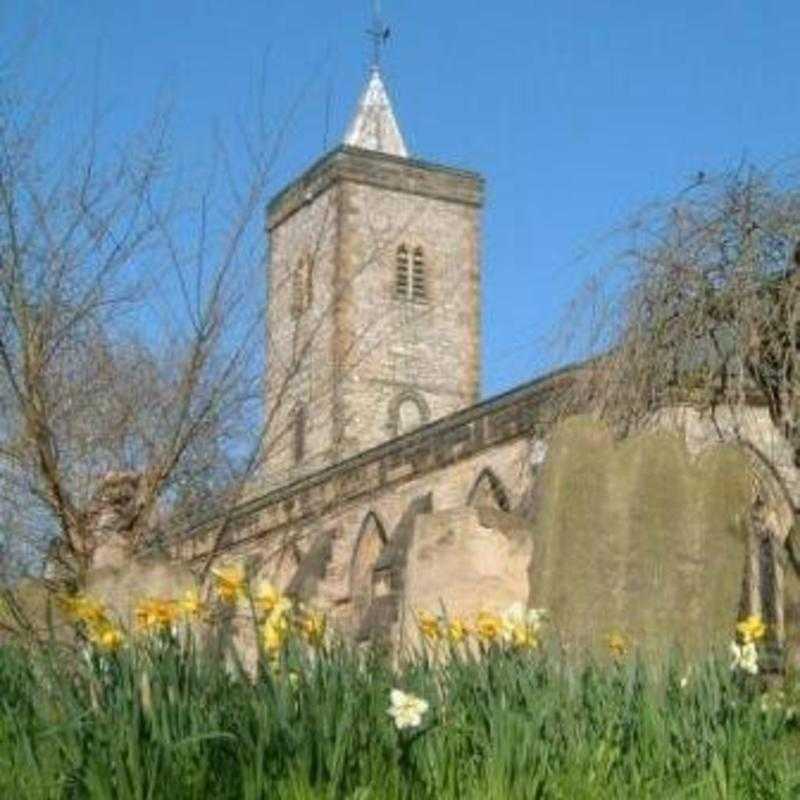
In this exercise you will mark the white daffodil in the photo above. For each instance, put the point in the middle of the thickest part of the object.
(513, 618)
(536, 616)
(518, 614)
(521, 623)
(515, 614)
(406, 709)
(744, 657)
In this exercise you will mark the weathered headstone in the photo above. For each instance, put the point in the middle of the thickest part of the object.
(637, 537)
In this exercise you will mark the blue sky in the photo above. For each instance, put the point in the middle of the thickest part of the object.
(577, 113)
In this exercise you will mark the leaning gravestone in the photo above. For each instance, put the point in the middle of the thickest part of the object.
(637, 537)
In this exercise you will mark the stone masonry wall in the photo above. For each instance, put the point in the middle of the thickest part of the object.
(356, 352)
(348, 511)
(653, 536)
(299, 366)
(400, 349)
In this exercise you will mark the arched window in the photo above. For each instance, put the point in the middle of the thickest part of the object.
(299, 433)
(409, 416)
(302, 285)
(402, 283)
(407, 411)
(370, 542)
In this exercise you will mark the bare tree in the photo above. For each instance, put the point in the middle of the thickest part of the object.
(130, 336)
(702, 309)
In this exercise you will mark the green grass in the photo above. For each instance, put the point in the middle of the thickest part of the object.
(155, 722)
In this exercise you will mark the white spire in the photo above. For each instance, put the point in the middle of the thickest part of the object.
(374, 127)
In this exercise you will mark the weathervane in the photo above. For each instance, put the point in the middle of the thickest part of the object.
(379, 33)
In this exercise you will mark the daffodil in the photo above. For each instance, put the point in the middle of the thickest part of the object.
(617, 644)
(275, 633)
(535, 617)
(230, 582)
(744, 657)
(521, 625)
(311, 625)
(429, 626)
(457, 631)
(488, 627)
(156, 614)
(82, 608)
(100, 630)
(515, 614)
(268, 598)
(108, 637)
(190, 604)
(751, 629)
(523, 637)
(406, 710)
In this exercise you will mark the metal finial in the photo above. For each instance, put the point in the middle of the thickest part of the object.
(379, 33)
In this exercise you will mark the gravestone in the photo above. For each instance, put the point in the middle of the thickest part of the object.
(638, 537)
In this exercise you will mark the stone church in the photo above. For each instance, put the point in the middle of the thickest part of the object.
(390, 486)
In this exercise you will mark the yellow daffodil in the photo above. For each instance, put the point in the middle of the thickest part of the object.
(429, 626)
(457, 631)
(101, 631)
(488, 627)
(191, 605)
(311, 625)
(108, 637)
(751, 629)
(156, 614)
(617, 644)
(81, 608)
(522, 637)
(230, 582)
(276, 630)
(269, 599)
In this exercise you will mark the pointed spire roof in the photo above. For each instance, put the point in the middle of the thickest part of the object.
(374, 126)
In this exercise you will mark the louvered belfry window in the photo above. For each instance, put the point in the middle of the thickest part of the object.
(410, 275)
(402, 277)
(418, 276)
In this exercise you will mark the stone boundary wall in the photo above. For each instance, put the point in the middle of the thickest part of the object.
(517, 413)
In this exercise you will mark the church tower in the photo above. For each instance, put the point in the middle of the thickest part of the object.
(373, 319)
